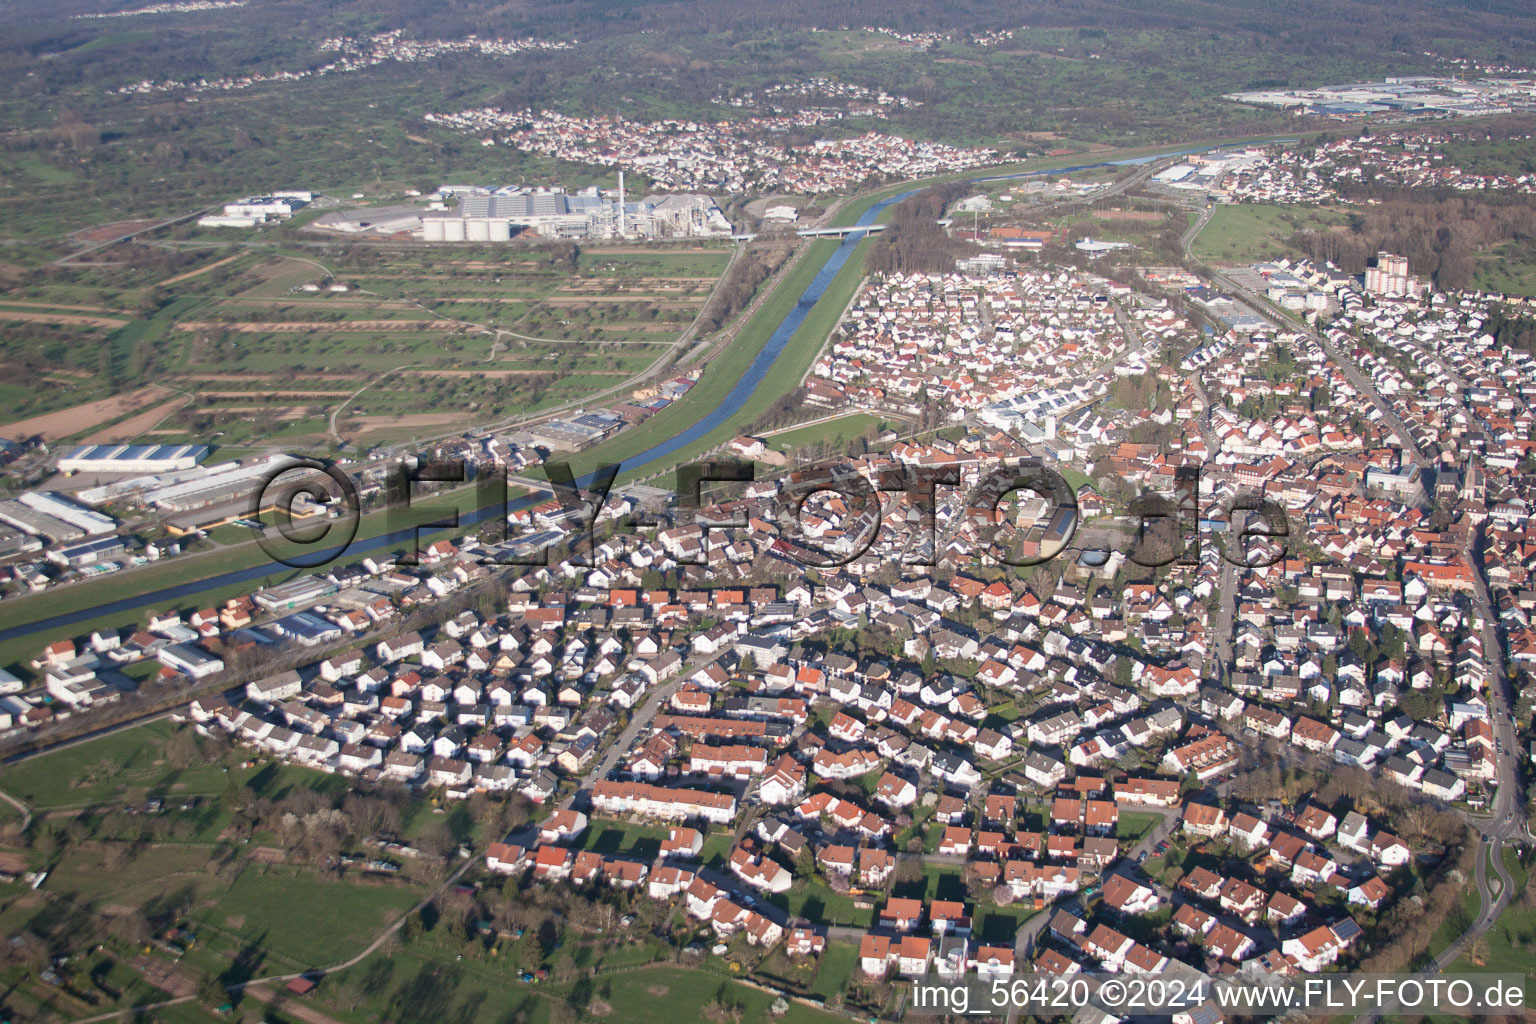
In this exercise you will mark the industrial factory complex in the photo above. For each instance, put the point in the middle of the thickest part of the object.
(256, 210)
(499, 214)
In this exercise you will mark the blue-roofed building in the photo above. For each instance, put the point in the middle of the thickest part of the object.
(89, 553)
(132, 458)
(604, 421)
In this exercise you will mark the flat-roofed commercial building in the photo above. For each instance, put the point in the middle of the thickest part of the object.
(38, 523)
(89, 553)
(298, 593)
(191, 659)
(216, 488)
(76, 515)
(565, 435)
(372, 220)
(132, 458)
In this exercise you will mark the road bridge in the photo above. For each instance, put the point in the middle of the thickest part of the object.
(841, 231)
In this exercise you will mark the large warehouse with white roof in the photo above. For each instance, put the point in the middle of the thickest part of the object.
(132, 458)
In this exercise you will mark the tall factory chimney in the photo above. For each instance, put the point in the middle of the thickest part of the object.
(621, 204)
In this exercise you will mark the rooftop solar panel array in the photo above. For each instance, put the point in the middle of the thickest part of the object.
(138, 452)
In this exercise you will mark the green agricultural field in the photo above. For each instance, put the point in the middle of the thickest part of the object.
(619, 261)
(567, 333)
(1245, 233)
(111, 39)
(185, 1013)
(436, 339)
